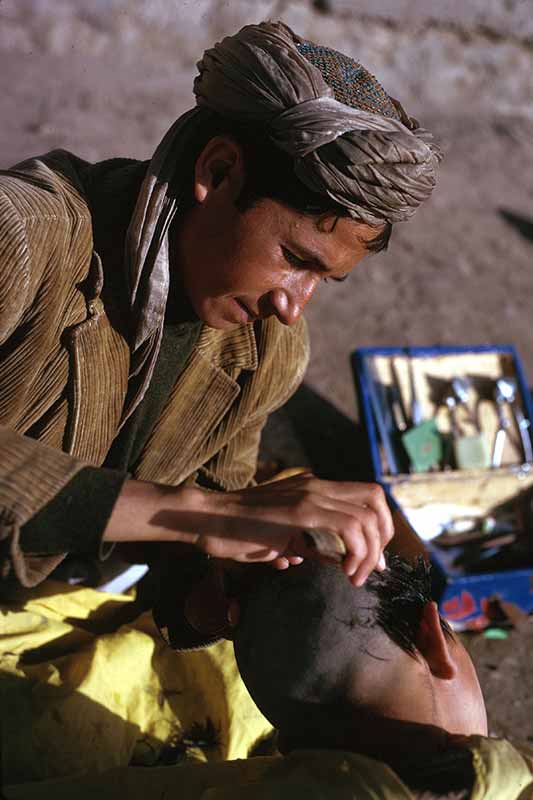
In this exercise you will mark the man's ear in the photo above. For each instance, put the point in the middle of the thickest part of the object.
(433, 645)
(219, 164)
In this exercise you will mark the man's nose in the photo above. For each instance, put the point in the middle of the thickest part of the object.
(288, 304)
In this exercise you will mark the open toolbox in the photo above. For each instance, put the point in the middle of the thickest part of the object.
(450, 441)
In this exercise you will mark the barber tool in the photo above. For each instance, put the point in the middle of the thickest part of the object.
(399, 411)
(461, 387)
(417, 416)
(400, 419)
(476, 530)
(471, 451)
(372, 382)
(396, 405)
(422, 441)
(328, 543)
(451, 404)
(507, 390)
(503, 426)
(449, 456)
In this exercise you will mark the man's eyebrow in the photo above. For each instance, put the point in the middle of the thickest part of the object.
(302, 251)
(309, 255)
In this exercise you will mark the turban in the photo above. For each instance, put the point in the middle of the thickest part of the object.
(348, 139)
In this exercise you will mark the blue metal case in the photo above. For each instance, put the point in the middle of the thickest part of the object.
(463, 598)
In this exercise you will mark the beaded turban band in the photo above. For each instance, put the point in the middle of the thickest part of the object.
(352, 84)
(348, 139)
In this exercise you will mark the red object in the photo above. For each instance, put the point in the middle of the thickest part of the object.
(460, 606)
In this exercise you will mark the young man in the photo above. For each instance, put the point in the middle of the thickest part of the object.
(372, 694)
(150, 314)
(151, 319)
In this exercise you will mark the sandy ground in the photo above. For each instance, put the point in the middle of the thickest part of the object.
(107, 77)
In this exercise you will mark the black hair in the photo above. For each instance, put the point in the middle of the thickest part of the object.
(269, 173)
(402, 590)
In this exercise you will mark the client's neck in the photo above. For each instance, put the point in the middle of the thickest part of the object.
(424, 757)
(392, 741)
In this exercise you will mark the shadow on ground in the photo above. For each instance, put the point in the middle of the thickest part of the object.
(524, 225)
(310, 431)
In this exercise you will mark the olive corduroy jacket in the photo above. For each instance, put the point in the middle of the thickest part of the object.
(64, 363)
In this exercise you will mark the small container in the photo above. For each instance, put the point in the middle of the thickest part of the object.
(430, 501)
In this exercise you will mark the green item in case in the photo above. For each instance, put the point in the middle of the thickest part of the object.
(472, 452)
(423, 444)
(495, 633)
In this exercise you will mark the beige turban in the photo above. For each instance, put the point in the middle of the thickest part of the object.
(371, 159)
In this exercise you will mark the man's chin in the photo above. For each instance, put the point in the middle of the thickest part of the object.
(228, 316)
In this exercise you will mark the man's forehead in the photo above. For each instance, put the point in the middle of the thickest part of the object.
(339, 242)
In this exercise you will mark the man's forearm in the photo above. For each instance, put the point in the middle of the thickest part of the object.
(147, 512)
(263, 523)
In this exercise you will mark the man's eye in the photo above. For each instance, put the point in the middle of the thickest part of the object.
(292, 259)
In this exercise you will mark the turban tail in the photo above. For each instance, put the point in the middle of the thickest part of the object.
(379, 166)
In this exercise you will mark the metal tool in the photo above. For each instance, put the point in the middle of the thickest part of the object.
(372, 382)
(450, 401)
(451, 404)
(507, 389)
(503, 427)
(471, 450)
(399, 411)
(417, 416)
(461, 388)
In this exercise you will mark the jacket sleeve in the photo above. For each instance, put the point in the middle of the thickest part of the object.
(15, 268)
(31, 473)
(75, 519)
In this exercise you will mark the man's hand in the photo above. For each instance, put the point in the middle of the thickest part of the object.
(264, 523)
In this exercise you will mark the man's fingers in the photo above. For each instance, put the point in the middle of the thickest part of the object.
(374, 545)
(294, 561)
(369, 495)
(350, 497)
(355, 524)
(374, 498)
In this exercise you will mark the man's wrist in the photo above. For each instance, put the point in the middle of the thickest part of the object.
(147, 512)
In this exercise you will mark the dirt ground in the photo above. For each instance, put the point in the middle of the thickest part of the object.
(107, 77)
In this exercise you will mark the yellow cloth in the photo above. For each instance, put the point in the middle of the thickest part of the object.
(503, 773)
(76, 698)
(307, 775)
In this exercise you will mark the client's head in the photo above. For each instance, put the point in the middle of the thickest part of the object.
(333, 665)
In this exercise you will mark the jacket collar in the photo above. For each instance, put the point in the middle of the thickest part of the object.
(232, 348)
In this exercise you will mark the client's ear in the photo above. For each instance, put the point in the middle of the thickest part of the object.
(433, 645)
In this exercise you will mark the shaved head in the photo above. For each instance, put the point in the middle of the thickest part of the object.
(316, 652)
(306, 633)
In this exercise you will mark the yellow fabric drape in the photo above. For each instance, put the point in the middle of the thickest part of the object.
(82, 696)
(503, 773)
(79, 695)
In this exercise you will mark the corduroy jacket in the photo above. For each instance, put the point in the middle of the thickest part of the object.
(64, 361)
